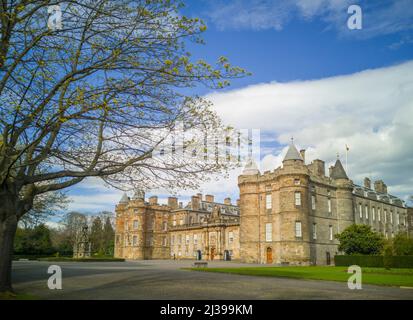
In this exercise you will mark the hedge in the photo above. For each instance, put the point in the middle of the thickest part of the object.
(374, 261)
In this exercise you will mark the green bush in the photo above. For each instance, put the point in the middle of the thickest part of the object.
(402, 245)
(359, 260)
(360, 239)
(374, 261)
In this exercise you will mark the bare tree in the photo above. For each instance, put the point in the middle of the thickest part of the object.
(96, 98)
(45, 206)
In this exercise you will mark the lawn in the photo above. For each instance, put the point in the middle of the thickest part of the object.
(17, 296)
(377, 276)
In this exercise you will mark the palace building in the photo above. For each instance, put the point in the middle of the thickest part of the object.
(286, 216)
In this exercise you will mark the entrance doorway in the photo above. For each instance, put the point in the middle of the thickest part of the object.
(227, 256)
(212, 253)
(199, 255)
(328, 258)
(269, 255)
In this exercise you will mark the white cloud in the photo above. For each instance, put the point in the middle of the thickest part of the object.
(379, 18)
(371, 111)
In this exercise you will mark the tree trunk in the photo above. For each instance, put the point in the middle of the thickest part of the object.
(8, 228)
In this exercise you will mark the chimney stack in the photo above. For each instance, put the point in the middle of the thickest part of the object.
(330, 171)
(195, 202)
(302, 152)
(209, 198)
(173, 202)
(199, 195)
(227, 201)
(238, 202)
(153, 200)
(380, 186)
(367, 183)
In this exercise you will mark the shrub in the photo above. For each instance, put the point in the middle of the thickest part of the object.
(359, 260)
(402, 245)
(360, 239)
(375, 261)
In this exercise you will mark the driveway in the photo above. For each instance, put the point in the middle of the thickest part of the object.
(164, 279)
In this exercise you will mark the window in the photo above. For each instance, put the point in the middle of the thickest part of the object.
(379, 214)
(268, 201)
(391, 217)
(181, 222)
(329, 205)
(397, 218)
(126, 226)
(298, 232)
(135, 241)
(172, 239)
(195, 238)
(230, 237)
(180, 239)
(135, 224)
(385, 215)
(297, 182)
(297, 199)
(314, 231)
(313, 202)
(165, 226)
(164, 242)
(187, 239)
(330, 230)
(361, 211)
(373, 213)
(367, 212)
(268, 232)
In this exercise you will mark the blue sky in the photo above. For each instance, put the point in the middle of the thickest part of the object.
(295, 49)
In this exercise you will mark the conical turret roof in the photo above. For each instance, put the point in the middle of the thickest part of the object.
(338, 171)
(250, 168)
(124, 199)
(293, 154)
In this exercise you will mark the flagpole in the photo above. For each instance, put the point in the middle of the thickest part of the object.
(346, 158)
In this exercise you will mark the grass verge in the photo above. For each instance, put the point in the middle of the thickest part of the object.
(17, 296)
(376, 276)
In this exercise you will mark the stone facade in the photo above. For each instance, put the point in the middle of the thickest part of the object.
(286, 216)
(290, 215)
(203, 229)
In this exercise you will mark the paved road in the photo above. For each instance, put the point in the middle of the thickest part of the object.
(155, 279)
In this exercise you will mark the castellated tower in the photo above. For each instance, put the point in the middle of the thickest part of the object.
(274, 225)
(249, 213)
(293, 218)
(140, 231)
(344, 196)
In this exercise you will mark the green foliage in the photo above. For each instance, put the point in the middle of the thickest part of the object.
(33, 241)
(387, 254)
(402, 245)
(360, 239)
(96, 235)
(387, 261)
(359, 260)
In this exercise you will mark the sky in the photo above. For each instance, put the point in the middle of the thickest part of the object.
(313, 79)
